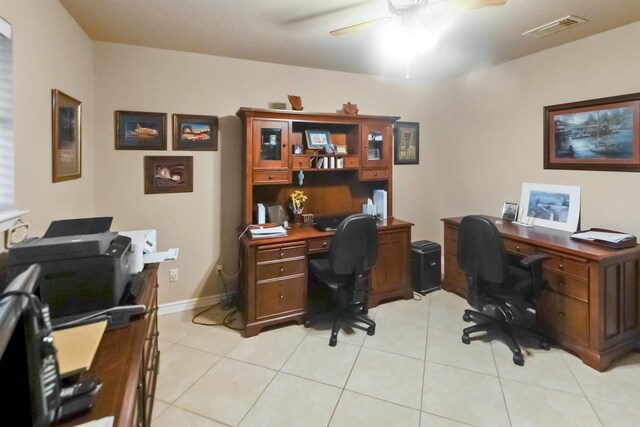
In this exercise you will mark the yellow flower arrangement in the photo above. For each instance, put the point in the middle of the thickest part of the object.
(297, 201)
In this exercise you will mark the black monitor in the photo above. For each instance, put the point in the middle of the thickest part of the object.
(30, 384)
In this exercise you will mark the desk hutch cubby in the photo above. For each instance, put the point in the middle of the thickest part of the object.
(273, 282)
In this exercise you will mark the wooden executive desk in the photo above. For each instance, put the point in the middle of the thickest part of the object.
(590, 299)
(273, 284)
(127, 363)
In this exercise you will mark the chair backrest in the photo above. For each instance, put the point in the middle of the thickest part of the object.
(481, 252)
(354, 248)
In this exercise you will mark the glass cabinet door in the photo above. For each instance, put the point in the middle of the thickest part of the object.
(270, 142)
(376, 141)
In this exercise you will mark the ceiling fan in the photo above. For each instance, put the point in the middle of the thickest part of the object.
(409, 11)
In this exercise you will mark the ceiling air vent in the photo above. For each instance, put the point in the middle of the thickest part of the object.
(554, 27)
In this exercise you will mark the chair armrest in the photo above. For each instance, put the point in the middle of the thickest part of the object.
(532, 260)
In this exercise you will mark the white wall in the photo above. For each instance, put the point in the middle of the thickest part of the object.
(203, 223)
(489, 129)
(50, 51)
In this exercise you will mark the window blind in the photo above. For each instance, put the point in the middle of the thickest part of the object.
(7, 191)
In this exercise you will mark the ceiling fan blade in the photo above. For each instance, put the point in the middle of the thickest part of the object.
(476, 4)
(356, 27)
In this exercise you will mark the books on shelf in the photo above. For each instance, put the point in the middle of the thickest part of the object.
(267, 232)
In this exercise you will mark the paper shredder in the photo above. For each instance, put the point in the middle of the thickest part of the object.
(425, 266)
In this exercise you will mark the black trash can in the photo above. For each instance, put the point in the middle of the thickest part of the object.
(425, 266)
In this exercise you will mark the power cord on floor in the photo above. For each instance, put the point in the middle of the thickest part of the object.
(226, 321)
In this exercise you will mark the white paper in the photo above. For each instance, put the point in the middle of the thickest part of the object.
(170, 255)
(601, 235)
(102, 422)
(263, 233)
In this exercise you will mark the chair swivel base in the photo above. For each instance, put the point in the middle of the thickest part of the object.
(342, 314)
(487, 323)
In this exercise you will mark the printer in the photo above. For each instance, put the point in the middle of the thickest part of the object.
(80, 273)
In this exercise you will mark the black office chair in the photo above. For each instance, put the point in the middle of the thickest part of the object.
(352, 254)
(505, 283)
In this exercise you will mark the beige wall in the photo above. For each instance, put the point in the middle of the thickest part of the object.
(481, 134)
(202, 224)
(50, 51)
(488, 129)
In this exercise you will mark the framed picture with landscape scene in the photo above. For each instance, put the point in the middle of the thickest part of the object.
(199, 133)
(66, 132)
(598, 134)
(141, 131)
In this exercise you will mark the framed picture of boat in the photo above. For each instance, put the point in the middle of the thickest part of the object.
(141, 131)
(598, 134)
(551, 206)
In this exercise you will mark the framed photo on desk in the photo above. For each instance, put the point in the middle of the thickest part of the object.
(551, 206)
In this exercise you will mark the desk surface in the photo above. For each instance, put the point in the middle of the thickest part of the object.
(117, 365)
(307, 231)
(549, 238)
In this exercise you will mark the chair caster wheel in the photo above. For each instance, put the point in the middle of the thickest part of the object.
(518, 359)
(466, 339)
(545, 345)
(365, 310)
(371, 330)
(307, 323)
(333, 341)
(466, 317)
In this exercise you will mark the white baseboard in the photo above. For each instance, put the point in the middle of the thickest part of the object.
(190, 304)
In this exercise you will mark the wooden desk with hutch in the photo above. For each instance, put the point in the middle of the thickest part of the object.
(590, 297)
(127, 362)
(273, 281)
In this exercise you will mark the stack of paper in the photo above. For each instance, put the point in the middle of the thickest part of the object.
(267, 232)
(605, 236)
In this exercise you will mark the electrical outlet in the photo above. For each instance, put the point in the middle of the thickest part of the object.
(219, 268)
(173, 275)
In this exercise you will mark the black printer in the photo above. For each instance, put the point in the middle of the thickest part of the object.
(80, 273)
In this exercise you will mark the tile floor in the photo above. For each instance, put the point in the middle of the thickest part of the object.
(415, 371)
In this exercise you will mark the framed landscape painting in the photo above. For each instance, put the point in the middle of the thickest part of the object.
(66, 145)
(199, 133)
(141, 131)
(598, 134)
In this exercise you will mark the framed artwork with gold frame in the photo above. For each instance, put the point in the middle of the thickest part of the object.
(66, 145)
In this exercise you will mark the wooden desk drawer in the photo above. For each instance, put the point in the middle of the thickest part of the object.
(450, 232)
(564, 266)
(350, 161)
(280, 253)
(319, 245)
(275, 270)
(373, 174)
(566, 316)
(280, 296)
(271, 177)
(567, 285)
(454, 274)
(451, 247)
(519, 247)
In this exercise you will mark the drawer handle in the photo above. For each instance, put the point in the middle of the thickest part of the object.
(281, 254)
(281, 269)
(375, 174)
(324, 244)
(281, 296)
(561, 283)
(561, 267)
(271, 177)
(517, 248)
(561, 315)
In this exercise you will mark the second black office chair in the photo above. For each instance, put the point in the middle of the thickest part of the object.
(352, 254)
(505, 286)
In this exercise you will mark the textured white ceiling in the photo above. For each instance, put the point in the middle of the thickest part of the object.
(296, 32)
